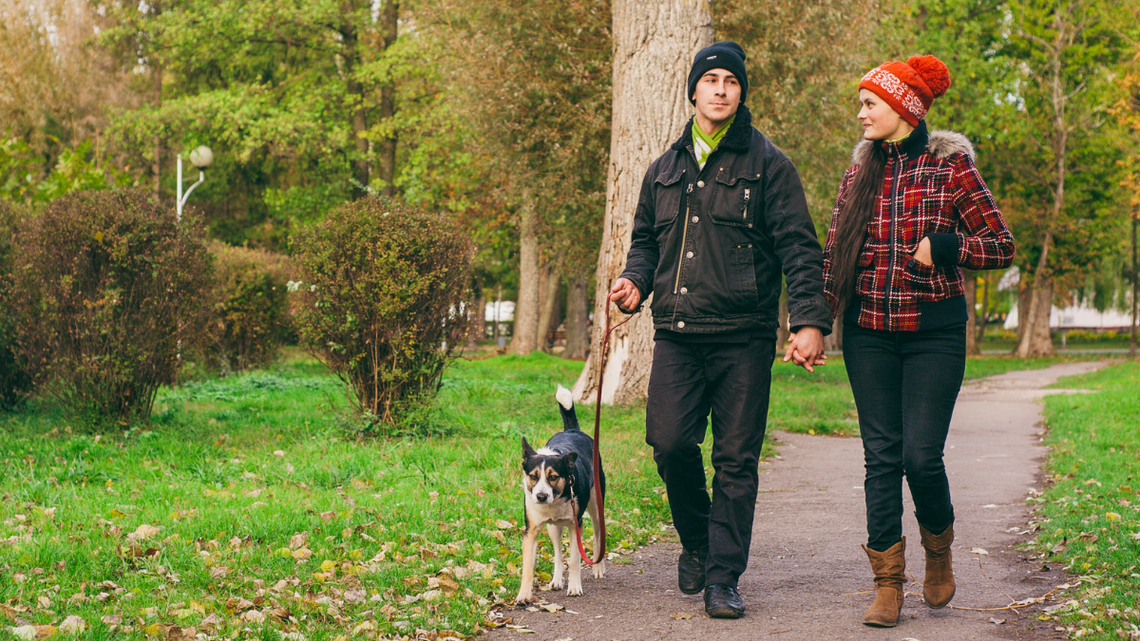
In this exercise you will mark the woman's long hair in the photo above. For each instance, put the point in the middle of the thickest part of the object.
(862, 199)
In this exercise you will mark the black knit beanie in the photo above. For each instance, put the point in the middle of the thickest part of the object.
(725, 55)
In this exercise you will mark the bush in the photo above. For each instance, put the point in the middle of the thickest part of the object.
(251, 317)
(109, 290)
(15, 382)
(381, 284)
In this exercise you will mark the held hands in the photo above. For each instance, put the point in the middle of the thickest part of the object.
(626, 295)
(805, 348)
(922, 252)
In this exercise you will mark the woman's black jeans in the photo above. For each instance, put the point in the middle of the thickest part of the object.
(905, 385)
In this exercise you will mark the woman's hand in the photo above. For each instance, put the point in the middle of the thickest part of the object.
(922, 253)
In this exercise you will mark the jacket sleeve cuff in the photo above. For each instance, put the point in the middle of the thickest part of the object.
(943, 249)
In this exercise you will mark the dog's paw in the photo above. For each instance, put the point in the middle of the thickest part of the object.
(574, 590)
(555, 584)
(599, 569)
(525, 597)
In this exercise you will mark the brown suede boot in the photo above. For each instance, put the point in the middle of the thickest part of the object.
(938, 586)
(890, 575)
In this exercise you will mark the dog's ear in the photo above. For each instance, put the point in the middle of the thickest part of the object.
(571, 459)
(528, 451)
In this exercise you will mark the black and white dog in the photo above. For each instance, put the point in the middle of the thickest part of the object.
(555, 478)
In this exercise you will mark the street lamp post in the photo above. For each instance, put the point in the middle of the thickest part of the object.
(200, 158)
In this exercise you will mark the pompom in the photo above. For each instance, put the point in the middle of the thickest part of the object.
(933, 72)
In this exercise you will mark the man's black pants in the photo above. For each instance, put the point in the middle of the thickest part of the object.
(733, 380)
(905, 385)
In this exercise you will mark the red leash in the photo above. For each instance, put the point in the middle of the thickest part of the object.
(597, 459)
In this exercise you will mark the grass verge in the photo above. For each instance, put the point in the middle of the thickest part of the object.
(247, 509)
(1091, 509)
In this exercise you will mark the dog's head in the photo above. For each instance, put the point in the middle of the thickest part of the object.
(547, 475)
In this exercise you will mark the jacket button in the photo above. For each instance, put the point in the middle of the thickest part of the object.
(689, 255)
(911, 263)
(696, 218)
(684, 290)
(700, 183)
(750, 225)
(680, 324)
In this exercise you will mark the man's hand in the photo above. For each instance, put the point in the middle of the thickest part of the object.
(626, 295)
(805, 347)
(922, 252)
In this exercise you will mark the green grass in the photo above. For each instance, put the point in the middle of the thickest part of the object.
(250, 494)
(1091, 509)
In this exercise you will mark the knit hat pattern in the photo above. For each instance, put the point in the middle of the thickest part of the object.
(725, 55)
(911, 87)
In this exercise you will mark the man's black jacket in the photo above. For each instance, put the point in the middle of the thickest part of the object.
(711, 243)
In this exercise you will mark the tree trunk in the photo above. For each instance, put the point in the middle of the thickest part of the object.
(971, 286)
(577, 318)
(833, 343)
(654, 45)
(351, 56)
(980, 335)
(477, 331)
(386, 147)
(1034, 338)
(525, 337)
(156, 88)
(548, 316)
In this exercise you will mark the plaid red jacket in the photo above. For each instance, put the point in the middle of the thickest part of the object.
(930, 189)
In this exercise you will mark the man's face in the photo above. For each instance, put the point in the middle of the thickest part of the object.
(717, 96)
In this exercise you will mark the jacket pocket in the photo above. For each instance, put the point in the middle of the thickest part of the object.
(926, 282)
(745, 296)
(865, 271)
(734, 202)
(668, 192)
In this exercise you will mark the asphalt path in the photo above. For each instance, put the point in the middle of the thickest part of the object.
(809, 579)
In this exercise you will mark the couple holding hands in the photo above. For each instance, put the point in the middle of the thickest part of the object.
(721, 215)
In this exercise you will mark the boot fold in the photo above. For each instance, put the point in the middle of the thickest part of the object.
(938, 586)
(890, 576)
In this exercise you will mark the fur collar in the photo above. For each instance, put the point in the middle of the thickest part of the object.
(940, 143)
(738, 136)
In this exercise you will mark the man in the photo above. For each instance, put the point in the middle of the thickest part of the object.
(721, 213)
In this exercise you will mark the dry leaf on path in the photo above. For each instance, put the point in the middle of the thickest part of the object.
(979, 551)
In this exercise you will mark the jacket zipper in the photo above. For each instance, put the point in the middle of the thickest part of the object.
(892, 211)
(684, 235)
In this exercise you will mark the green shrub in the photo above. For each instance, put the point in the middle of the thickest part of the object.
(15, 382)
(382, 283)
(109, 290)
(251, 317)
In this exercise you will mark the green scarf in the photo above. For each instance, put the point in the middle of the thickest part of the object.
(704, 144)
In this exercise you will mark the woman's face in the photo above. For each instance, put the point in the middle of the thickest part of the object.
(880, 121)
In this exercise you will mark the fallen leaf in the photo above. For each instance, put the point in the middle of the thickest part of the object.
(503, 525)
(996, 621)
(302, 554)
(144, 531)
(44, 602)
(111, 619)
(26, 632)
(979, 551)
(73, 625)
(1112, 516)
(681, 615)
(253, 616)
(210, 623)
(297, 541)
(552, 607)
(367, 626)
(279, 453)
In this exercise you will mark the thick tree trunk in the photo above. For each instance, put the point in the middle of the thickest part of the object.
(351, 57)
(577, 318)
(834, 342)
(1034, 307)
(654, 45)
(525, 337)
(548, 315)
(971, 286)
(386, 147)
(156, 89)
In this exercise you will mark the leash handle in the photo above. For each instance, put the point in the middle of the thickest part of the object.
(597, 457)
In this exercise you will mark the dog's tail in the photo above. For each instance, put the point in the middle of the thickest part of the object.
(566, 406)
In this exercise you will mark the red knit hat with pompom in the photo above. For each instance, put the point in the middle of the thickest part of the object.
(910, 87)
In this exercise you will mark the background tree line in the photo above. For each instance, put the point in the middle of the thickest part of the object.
(500, 115)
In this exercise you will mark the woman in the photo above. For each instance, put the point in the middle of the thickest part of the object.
(910, 211)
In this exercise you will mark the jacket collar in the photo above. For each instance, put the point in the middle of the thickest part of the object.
(913, 145)
(738, 137)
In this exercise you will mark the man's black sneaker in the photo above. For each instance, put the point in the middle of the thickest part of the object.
(691, 570)
(723, 602)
